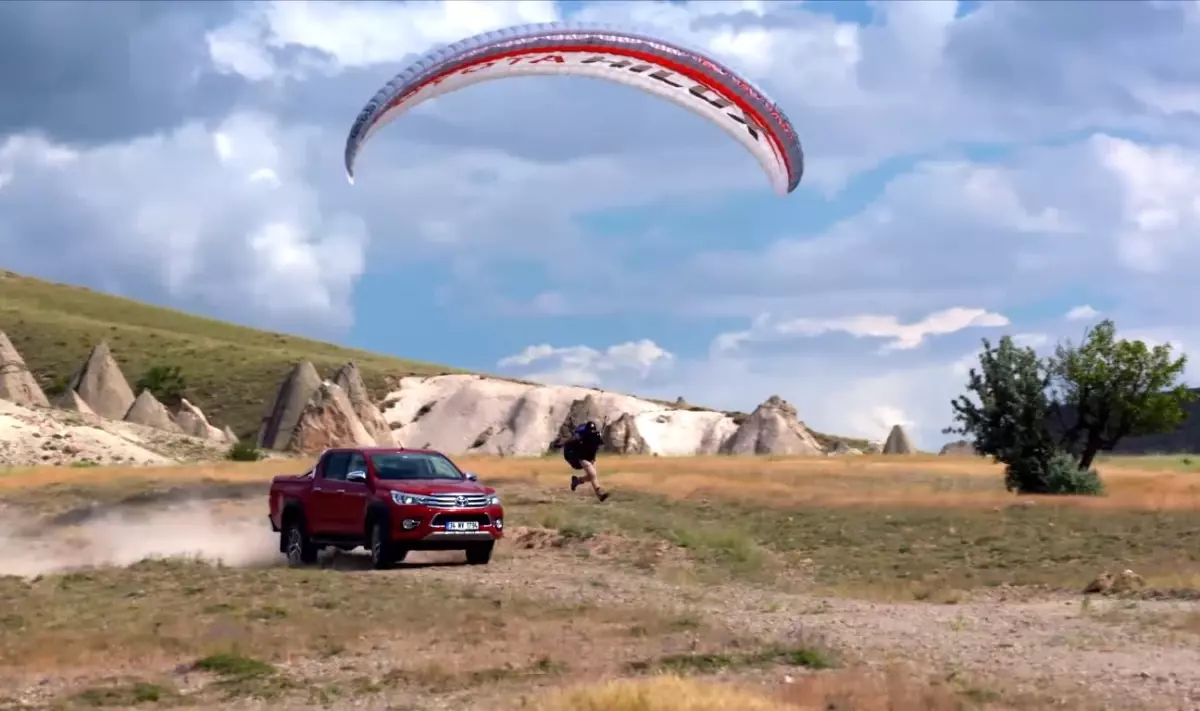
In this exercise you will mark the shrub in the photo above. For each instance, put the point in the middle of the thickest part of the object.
(165, 382)
(244, 452)
(1056, 473)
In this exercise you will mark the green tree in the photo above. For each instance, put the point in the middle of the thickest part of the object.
(1006, 419)
(1107, 389)
(165, 382)
(1047, 419)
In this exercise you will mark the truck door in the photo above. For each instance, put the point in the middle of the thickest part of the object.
(353, 506)
(329, 487)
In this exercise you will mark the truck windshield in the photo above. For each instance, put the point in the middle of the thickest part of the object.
(414, 465)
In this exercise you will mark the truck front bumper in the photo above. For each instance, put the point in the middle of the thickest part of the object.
(422, 528)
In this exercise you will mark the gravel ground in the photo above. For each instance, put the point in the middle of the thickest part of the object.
(1049, 646)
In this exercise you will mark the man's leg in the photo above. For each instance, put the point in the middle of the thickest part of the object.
(589, 475)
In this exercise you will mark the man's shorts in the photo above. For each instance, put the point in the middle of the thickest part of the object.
(576, 464)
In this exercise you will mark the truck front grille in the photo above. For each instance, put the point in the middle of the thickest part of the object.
(456, 501)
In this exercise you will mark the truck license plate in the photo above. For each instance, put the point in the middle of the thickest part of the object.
(462, 525)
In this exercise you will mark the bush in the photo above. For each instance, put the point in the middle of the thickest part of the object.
(244, 452)
(165, 382)
(1057, 473)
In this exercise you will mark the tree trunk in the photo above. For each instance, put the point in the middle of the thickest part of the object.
(1089, 453)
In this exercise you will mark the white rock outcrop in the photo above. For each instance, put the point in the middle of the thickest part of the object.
(193, 421)
(17, 384)
(476, 414)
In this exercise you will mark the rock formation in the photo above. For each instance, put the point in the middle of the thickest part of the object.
(229, 435)
(874, 448)
(623, 437)
(70, 400)
(897, 442)
(284, 414)
(327, 420)
(17, 384)
(102, 385)
(959, 448)
(349, 379)
(147, 410)
(581, 410)
(192, 421)
(843, 449)
(773, 428)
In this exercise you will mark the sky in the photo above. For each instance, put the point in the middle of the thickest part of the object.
(972, 170)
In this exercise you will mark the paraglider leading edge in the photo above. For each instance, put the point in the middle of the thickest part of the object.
(682, 75)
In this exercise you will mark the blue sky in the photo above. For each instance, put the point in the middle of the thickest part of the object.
(972, 169)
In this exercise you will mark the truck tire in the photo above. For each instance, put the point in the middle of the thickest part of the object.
(480, 553)
(298, 546)
(385, 553)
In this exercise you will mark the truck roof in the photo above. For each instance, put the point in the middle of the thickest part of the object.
(381, 450)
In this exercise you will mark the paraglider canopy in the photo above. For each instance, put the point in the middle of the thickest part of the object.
(665, 69)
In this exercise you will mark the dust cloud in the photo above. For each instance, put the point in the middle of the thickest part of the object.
(188, 530)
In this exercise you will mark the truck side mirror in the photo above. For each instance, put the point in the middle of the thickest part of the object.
(471, 476)
(356, 476)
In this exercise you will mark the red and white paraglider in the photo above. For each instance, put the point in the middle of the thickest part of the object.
(665, 69)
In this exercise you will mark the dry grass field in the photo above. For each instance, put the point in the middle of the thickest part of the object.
(856, 584)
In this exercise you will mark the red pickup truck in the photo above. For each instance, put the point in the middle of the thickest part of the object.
(390, 500)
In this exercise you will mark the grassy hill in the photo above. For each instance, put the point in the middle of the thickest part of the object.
(232, 371)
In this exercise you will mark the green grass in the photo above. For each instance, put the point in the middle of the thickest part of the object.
(1157, 462)
(232, 371)
(714, 662)
(918, 553)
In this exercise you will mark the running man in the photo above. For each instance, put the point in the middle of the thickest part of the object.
(580, 452)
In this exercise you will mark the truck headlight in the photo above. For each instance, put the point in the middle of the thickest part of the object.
(493, 500)
(401, 498)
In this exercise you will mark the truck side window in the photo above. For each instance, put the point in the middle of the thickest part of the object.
(336, 466)
(358, 463)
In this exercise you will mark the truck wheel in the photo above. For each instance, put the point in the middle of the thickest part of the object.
(299, 548)
(384, 553)
(480, 554)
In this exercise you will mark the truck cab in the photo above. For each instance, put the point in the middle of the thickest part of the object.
(389, 500)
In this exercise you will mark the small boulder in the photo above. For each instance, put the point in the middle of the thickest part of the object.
(1108, 584)
(897, 442)
(229, 435)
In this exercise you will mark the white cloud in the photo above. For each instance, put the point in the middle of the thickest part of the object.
(581, 365)
(903, 336)
(1032, 340)
(354, 34)
(1082, 313)
(221, 218)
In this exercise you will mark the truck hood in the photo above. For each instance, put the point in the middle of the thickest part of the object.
(424, 487)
